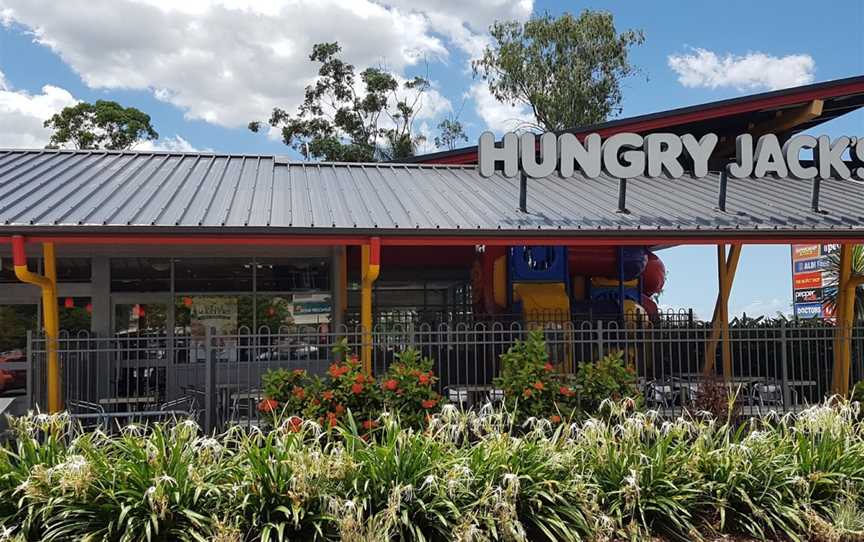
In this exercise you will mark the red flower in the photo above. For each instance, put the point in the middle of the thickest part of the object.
(429, 403)
(369, 424)
(339, 409)
(538, 386)
(360, 378)
(295, 423)
(332, 420)
(549, 367)
(268, 405)
(356, 388)
(527, 393)
(565, 391)
(555, 418)
(328, 395)
(336, 370)
(353, 359)
(391, 385)
(298, 392)
(423, 378)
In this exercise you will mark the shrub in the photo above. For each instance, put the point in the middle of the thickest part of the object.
(407, 388)
(532, 387)
(607, 378)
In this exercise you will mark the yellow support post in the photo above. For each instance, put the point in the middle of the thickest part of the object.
(50, 313)
(370, 261)
(845, 313)
(726, 268)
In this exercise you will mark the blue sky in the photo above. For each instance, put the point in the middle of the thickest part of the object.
(202, 71)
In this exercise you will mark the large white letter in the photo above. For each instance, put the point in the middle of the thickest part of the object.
(548, 154)
(858, 157)
(743, 167)
(829, 158)
(488, 154)
(663, 151)
(769, 157)
(792, 151)
(699, 151)
(586, 156)
(635, 158)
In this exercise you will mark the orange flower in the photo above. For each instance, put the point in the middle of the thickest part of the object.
(527, 393)
(353, 359)
(369, 424)
(339, 409)
(429, 403)
(328, 395)
(298, 392)
(299, 372)
(423, 378)
(555, 418)
(391, 385)
(549, 367)
(360, 378)
(356, 388)
(268, 405)
(538, 386)
(565, 391)
(332, 420)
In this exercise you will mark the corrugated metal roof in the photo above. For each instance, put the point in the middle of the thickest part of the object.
(69, 191)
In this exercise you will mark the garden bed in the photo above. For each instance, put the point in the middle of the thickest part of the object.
(466, 476)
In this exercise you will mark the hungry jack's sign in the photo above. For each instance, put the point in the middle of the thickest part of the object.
(628, 155)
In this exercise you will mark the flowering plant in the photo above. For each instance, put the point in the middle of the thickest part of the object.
(532, 385)
(408, 387)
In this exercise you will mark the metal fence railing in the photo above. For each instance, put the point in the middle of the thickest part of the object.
(218, 377)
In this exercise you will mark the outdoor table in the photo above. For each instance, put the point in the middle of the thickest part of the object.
(104, 417)
(135, 400)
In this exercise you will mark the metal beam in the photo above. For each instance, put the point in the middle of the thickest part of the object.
(726, 268)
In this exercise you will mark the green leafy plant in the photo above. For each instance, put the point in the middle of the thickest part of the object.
(607, 378)
(531, 385)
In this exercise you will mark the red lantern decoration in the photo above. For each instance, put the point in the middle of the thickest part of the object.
(187, 301)
(138, 310)
(89, 308)
(69, 303)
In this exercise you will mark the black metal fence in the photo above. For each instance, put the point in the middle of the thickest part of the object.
(217, 378)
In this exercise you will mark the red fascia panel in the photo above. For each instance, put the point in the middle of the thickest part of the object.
(470, 156)
(706, 238)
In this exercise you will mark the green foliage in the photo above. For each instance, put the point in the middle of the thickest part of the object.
(466, 476)
(858, 391)
(101, 125)
(831, 279)
(530, 383)
(567, 69)
(450, 133)
(349, 118)
(607, 378)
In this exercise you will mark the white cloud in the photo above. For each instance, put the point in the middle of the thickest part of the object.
(172, 144)
(22, 114)
(760, 307)
(753, 71)
(231, 61)
(498, 116)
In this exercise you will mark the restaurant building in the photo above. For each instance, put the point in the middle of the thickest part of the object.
(153, 264)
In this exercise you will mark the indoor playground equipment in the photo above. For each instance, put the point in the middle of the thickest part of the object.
(553, 284)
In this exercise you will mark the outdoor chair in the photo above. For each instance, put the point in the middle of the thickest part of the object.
(94, 412)
(770, 394)
(458, 396)
(495, 396)
(183, 404)
(660, 394)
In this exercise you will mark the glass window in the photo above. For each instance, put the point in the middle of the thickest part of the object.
(15, 320)
(7, 269)
(213, 275)
(225, 314)
(73, 269)
(140, 275)
(292, 274)
(74, 314)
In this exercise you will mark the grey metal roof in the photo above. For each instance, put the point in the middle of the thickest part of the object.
(76, 191)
